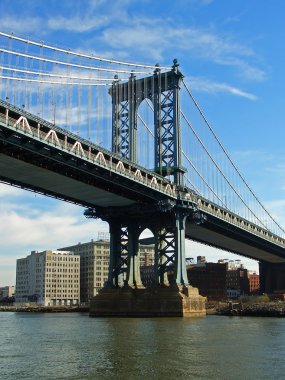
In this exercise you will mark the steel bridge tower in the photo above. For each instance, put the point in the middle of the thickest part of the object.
(166, 219)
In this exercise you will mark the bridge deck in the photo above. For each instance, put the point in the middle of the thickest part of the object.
(41, 157)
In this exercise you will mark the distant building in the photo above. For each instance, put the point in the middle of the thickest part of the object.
(219, 281)
(147, 275)
(94, 267)
(201, 260)
(254, 285)
(209, 278)
(237, 281)
(233, 293)
(48, 278)
(7, 292)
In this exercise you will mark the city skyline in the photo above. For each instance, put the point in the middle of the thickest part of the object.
(231, 59)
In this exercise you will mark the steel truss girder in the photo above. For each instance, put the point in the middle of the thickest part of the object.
(165, 128)
(124, 120)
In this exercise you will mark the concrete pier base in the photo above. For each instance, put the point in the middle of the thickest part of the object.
(155, 302)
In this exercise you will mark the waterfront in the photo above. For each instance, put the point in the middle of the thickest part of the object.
(74, 346)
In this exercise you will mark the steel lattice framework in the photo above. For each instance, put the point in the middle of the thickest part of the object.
(162, 89)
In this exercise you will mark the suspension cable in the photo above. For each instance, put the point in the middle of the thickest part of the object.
(71, 64)
(39, 73)
(229, 158)
(192, 185)
(204, 180)
(145, 125)
(53, 82)
(82, 55)
(191, 163)
(214, 162)
(219, 169)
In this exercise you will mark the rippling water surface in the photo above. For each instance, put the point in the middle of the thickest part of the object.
(74, 346)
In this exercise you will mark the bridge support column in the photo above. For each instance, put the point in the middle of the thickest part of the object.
(163, 244)
(118, 255)
(170, 252)
(134, 275)
(180, 262)
(124, 268)
(272, 277)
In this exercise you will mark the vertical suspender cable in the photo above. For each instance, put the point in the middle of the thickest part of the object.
(89, 95)
(79, 109)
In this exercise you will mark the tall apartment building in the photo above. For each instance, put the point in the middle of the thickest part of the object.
(94, 267)
(48, 278)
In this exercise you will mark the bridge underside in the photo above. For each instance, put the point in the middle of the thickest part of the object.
(29, 176)
(219, 234)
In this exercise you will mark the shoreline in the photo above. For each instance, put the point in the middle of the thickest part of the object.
(268, 309)
(262, 309)
(45, 309)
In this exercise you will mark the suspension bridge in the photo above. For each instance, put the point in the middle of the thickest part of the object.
(129, 142)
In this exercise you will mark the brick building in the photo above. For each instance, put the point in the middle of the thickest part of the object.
(254, 286)
(209, 278)
(219, 281)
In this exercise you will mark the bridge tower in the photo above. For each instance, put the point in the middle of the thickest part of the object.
(124, 293)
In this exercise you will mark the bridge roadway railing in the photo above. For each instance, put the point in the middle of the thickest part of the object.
(59, 138)
(213, 209)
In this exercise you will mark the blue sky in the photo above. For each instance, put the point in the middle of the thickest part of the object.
(231, 53)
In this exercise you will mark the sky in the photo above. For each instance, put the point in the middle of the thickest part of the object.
(230, 51)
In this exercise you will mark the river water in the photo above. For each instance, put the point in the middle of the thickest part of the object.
(75, 346)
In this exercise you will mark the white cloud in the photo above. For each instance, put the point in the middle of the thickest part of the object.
(94, 15)
(30, 224)
(44, 229)
(78, 24)
(155, 38)
(205, 85)
(8, 191)
(14, 24)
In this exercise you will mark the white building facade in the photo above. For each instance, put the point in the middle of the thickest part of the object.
(48, 278)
